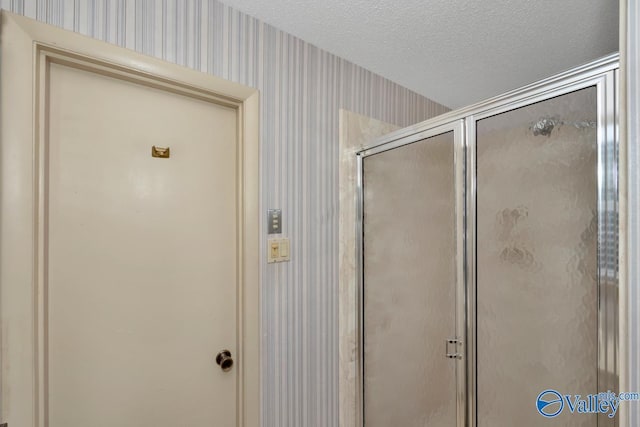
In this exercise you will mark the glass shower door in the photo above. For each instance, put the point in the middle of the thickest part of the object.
(488, 276)
(411, 288)
(537, 261)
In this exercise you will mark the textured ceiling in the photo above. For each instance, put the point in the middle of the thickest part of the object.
(455, 52)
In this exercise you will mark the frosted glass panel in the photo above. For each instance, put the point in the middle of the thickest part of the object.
(409, 285)
(537, 287)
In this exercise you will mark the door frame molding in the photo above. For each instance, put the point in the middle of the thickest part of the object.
(26, 44)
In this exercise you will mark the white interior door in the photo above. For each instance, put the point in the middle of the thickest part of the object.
(124, 275)
(141, 255)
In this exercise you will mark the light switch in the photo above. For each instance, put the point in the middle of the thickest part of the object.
(273, 250)
(284, 249)
(277, 250)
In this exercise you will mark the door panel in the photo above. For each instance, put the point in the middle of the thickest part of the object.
(141, 255)
(537, 259)
(409, 291)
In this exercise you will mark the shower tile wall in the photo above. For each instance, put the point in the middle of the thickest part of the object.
(302, 89)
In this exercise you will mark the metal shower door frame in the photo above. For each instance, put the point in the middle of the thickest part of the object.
(607, 167)
(601, 74)
(457, 127)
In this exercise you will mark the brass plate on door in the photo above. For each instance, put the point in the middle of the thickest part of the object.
(160, 152)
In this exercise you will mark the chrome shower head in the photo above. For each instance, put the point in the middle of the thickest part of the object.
(545, 125)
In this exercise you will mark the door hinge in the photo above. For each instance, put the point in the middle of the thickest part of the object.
(451, 349)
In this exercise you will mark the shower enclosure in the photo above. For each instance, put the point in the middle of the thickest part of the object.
(488, 263)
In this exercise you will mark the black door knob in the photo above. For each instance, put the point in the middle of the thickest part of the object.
(225, 360)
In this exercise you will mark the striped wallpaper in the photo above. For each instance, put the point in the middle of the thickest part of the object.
(302, 88)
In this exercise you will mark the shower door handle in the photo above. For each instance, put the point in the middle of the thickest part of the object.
(451, 348)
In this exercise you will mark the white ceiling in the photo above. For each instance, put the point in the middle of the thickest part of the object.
(455, 52)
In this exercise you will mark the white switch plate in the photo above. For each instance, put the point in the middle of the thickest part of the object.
(278, 250)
